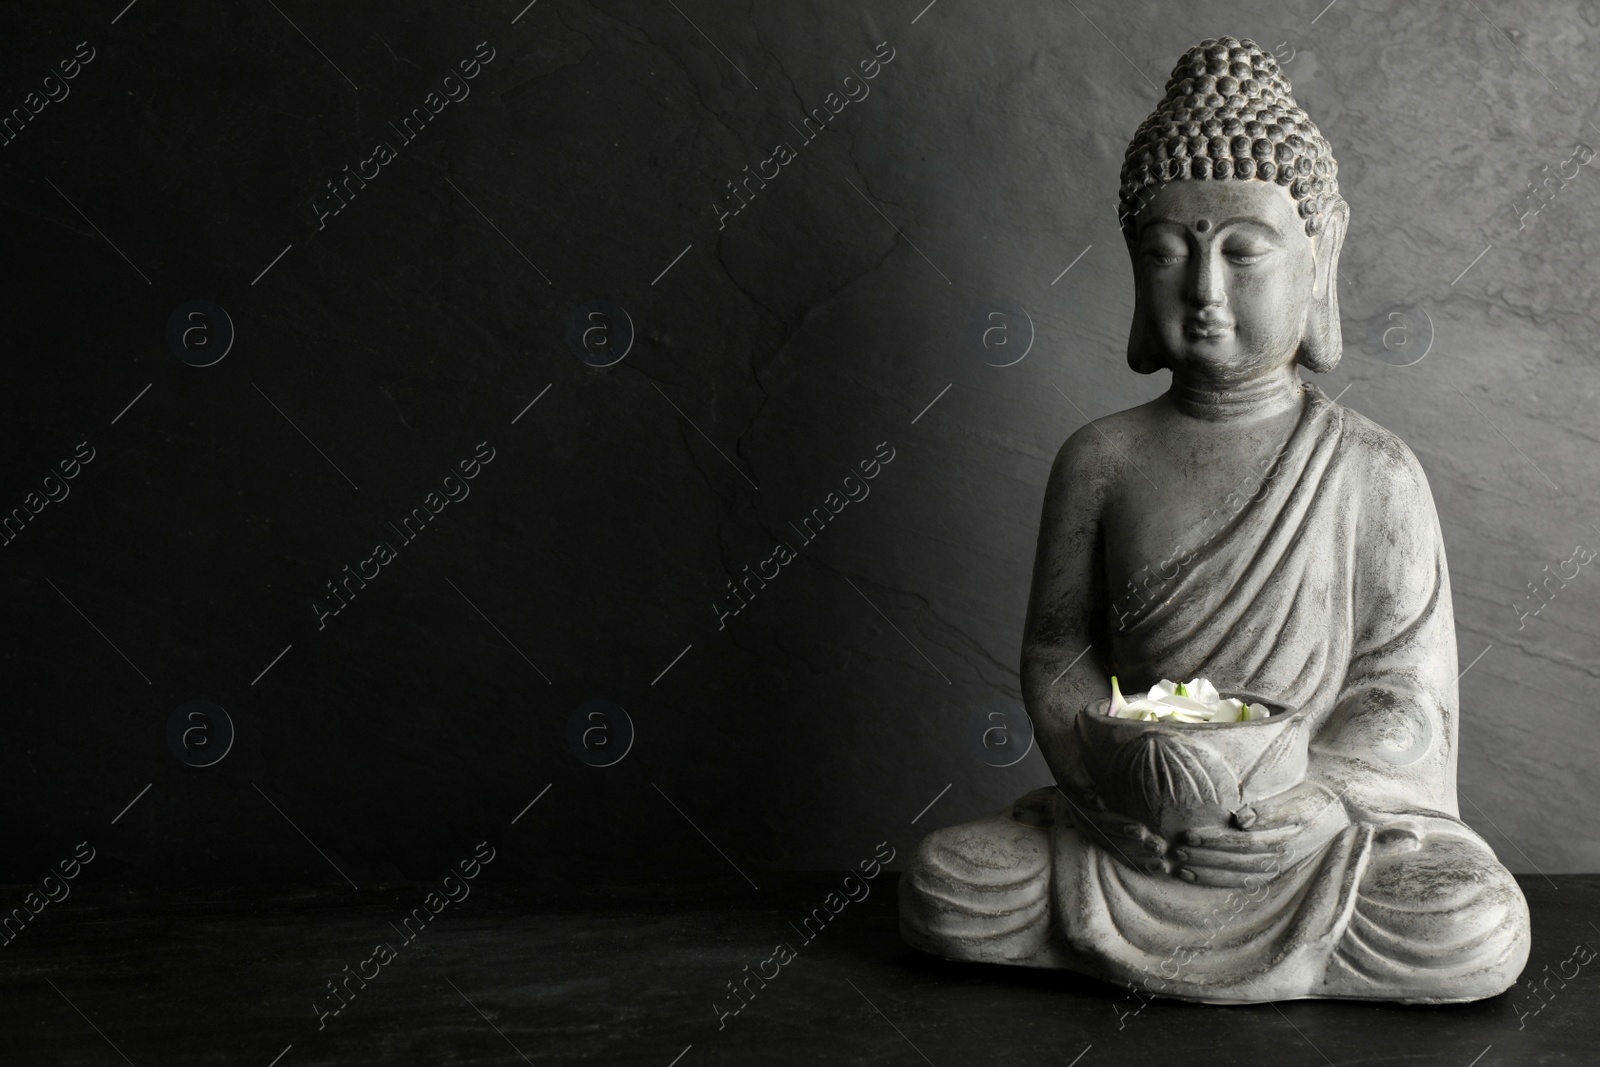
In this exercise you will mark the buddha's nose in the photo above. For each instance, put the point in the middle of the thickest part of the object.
(1210, 295)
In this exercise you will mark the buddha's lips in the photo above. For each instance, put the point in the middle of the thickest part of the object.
(1206, 329)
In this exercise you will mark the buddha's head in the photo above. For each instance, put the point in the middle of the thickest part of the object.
(1233, 220)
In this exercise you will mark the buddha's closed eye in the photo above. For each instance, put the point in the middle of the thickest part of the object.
(1166, 253)
(1244, 254)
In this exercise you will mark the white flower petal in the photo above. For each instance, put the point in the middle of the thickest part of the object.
(1188, 704)
(1202, 703)
(1134, 708)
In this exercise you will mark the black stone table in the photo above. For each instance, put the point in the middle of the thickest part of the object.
(593, 975)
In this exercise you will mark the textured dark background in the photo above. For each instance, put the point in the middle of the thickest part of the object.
(900, 256)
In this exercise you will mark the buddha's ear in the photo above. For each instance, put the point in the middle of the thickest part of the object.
(1323, 342)
(1143, 356)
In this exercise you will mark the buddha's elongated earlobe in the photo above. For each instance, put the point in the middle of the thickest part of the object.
(1323, 342)
(1143, 356)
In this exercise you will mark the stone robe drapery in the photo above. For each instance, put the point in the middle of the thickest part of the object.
(1328, 591)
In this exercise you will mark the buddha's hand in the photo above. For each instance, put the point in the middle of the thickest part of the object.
(1128, 839)
(1262, 840)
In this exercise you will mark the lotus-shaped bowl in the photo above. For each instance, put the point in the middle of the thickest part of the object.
(1172, 775)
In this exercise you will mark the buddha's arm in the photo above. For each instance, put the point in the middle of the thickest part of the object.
(1390, 742)
(1062, 604)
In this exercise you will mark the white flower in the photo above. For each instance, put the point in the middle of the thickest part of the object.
(1194, 701)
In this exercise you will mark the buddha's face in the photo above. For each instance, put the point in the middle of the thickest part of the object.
(1225, 274)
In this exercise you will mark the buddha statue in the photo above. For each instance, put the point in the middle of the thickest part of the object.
(1246, 529)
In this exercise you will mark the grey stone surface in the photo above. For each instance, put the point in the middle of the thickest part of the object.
(635, 975)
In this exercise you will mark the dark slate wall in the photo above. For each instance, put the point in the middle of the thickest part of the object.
(896, 260)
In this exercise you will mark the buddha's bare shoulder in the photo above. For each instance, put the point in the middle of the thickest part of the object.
(1096, 455)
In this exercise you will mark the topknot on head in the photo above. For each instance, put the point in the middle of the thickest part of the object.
(1229, 112)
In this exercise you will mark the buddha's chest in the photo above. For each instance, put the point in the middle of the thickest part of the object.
(1200, 488)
